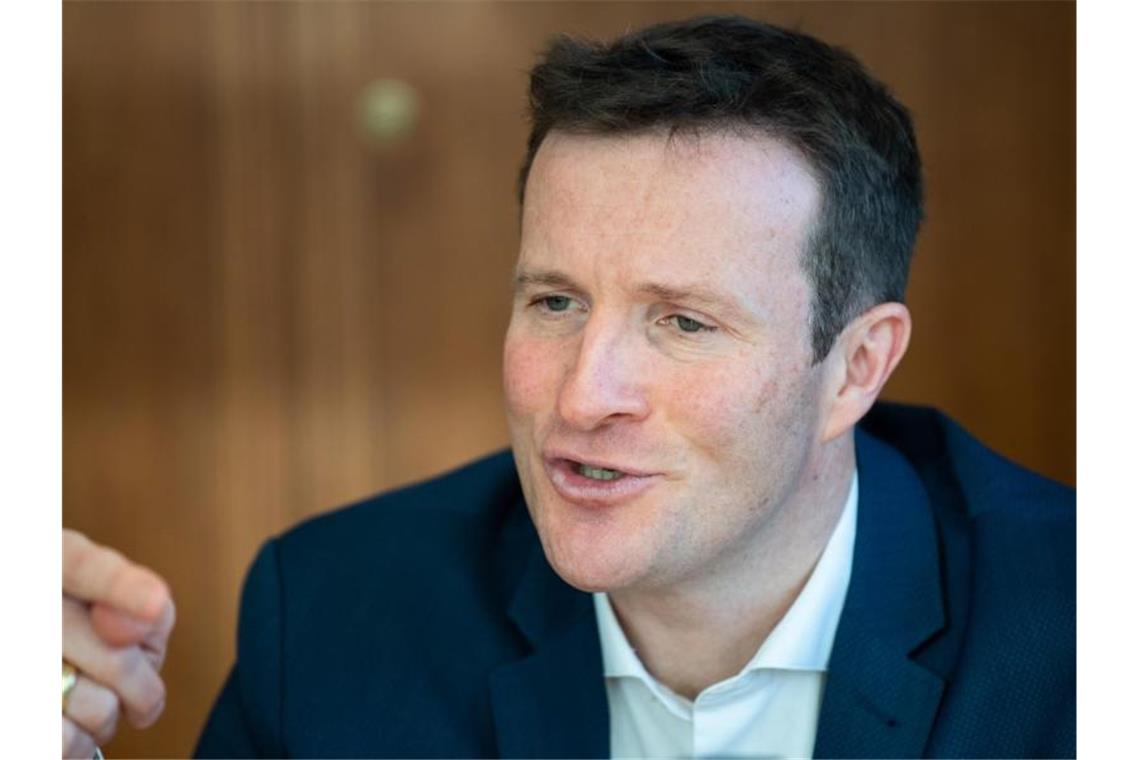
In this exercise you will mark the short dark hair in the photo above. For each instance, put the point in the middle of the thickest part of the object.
(730, 72)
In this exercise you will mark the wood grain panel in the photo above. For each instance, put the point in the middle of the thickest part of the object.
(266, 315)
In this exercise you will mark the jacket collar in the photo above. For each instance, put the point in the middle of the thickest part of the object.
(878, 702)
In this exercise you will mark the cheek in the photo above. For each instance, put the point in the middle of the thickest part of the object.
(529, 376)
(715, 410)
(737, 409)
(716, 418)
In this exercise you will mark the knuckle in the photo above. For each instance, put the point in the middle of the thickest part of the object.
(154, 703)
(116, 568)
(156, 697)
(120, 573)
(94, 709)
(109, 723)
(107, 704)
(122, 667)
(127, 671)
(136, 680)
(69, 731)
(73, 614)
(148, 718)
(76, 742)
(74, 543)
(78, 556)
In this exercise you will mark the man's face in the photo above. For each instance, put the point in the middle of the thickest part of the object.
(661, 400)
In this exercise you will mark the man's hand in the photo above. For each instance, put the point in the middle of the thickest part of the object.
(117, 617)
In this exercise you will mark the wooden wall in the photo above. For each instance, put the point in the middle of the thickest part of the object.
(266, 315)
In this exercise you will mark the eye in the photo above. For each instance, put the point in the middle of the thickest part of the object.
(555, 303)
(689, 325)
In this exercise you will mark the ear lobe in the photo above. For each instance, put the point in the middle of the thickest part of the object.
(869, 349)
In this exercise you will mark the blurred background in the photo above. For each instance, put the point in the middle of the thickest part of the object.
(289, 231)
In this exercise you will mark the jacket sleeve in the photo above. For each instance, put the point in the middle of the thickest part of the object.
(246, 718)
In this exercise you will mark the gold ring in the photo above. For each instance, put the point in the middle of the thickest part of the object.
(70, 677)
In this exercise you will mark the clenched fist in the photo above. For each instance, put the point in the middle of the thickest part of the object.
(117, 618)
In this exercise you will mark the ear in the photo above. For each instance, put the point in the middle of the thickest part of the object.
(862, 360)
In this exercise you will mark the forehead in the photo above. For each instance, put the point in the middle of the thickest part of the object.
(722, 204)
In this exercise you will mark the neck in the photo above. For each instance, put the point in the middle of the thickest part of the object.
(695, 634)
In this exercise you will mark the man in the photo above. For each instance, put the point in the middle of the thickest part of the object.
(693, 550)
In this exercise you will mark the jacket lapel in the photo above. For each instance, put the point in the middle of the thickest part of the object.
(878, 702)
(552, 703)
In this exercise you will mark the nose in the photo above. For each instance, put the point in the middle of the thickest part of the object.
(607, 382)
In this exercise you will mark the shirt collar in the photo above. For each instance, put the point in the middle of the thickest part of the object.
(618, 657)
(803, 638)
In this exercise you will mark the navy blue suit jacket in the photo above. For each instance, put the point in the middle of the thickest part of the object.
(427, 622)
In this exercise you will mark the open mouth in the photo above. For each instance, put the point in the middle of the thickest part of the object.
(597, 473)
(595, 484)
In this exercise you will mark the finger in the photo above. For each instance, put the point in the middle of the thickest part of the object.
(96, 573)
(155, 642)
(77, 742)
(93, 708)
(125, 670)
(117, 628)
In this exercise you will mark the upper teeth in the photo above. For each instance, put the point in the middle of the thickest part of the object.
(598, 473)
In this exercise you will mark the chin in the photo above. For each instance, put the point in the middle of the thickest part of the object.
(591, 550)
(590, 575)
(593, 557)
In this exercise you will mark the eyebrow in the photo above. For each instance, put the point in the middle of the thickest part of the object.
(549, 278)
(696, 296)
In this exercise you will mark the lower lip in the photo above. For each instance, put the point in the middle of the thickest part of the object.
(588, 492)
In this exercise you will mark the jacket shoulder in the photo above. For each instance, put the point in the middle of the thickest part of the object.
(946, 456)
(388, 586)
(1008, 535)
(480, 491)
(442, 532)
(1017, 528)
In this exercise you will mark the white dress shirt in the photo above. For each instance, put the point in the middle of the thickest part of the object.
(769, 709)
